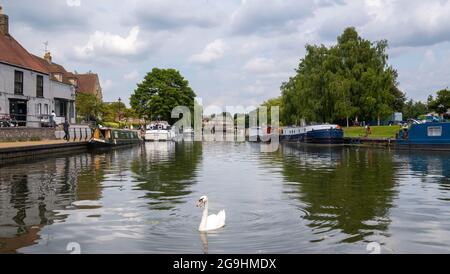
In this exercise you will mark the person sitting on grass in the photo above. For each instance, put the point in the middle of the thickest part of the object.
(368, 130)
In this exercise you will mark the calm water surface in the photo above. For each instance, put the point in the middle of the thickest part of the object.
(296, 200)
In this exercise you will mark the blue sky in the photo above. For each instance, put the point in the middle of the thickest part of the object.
(234, 52)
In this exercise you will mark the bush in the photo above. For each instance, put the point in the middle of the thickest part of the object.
(110, 124)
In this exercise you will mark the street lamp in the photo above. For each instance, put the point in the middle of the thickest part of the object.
(118, 108)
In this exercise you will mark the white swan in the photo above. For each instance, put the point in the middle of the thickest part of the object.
(212, 221)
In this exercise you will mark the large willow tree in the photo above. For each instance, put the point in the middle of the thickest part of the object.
(351, 80)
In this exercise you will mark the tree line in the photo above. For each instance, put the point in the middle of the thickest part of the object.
(89, 108)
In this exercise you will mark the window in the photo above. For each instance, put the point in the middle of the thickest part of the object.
(18, 82)
(60, 108)
(38, 109)
(434, 131)
(71, 110)
(58, 76)
(39, 86)
(46, 109)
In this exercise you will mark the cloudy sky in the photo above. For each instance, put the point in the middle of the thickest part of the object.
(233, 52)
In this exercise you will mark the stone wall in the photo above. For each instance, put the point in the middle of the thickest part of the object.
(12, 134)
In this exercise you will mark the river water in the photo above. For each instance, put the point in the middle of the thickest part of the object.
(300, 199)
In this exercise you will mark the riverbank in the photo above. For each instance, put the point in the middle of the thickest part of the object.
(377, 132)
(13, 150)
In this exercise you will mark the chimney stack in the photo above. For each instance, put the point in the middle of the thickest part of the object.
(48, 57)
(4, 23)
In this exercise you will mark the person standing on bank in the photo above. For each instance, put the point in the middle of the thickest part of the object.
(66, 130)
(53, 119)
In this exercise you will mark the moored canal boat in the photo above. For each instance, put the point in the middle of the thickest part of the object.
(428, 135)
(111, 137)
(314, 134)
(159, 131)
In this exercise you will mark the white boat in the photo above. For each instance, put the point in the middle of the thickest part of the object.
(188, 134)
(159, 131)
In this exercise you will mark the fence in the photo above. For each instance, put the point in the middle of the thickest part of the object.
(76, 133)
(27, 120)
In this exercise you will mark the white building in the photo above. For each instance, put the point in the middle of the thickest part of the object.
(28, 89)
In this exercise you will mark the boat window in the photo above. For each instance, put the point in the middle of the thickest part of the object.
(434, 131)
(116, 134)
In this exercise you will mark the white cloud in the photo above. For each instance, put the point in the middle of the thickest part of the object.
(257, 16)
(107, 84)
(408, 23)
(213, 51)
(260, 65)
(73, 3)
(177, 14)
(111, 45)
(131, 76)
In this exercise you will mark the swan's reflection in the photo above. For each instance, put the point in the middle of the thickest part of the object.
(204, 239)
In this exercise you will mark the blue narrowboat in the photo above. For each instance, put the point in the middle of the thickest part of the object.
(315, 134)
(429, 135)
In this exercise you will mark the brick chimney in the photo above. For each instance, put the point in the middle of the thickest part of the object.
(48, 57)
(4, 23)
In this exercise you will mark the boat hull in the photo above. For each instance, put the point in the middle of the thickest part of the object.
(157, 136)
(99, 144)
(321, 136)
(325, 136)
(426, 136)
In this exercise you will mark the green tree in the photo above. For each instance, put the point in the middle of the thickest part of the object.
(161, 91)
(273, 102)
(412, 109)
(350, 79)
(440, 104)
(116, 111)
(88, 106)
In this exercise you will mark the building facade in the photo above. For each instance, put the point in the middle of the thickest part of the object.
(29, 91)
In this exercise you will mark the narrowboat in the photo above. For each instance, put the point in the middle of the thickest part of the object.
(314, 134)
(160, 131)
(428, 135)
(111, 137)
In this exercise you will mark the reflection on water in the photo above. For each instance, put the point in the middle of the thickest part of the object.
(30, 194)
(166, 171)
(350, 191)
(300, 199)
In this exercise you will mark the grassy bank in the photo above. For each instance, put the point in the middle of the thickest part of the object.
(377, 131)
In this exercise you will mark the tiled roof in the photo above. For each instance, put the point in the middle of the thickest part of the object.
(87, 82)
(11, 52)
(56, 68)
